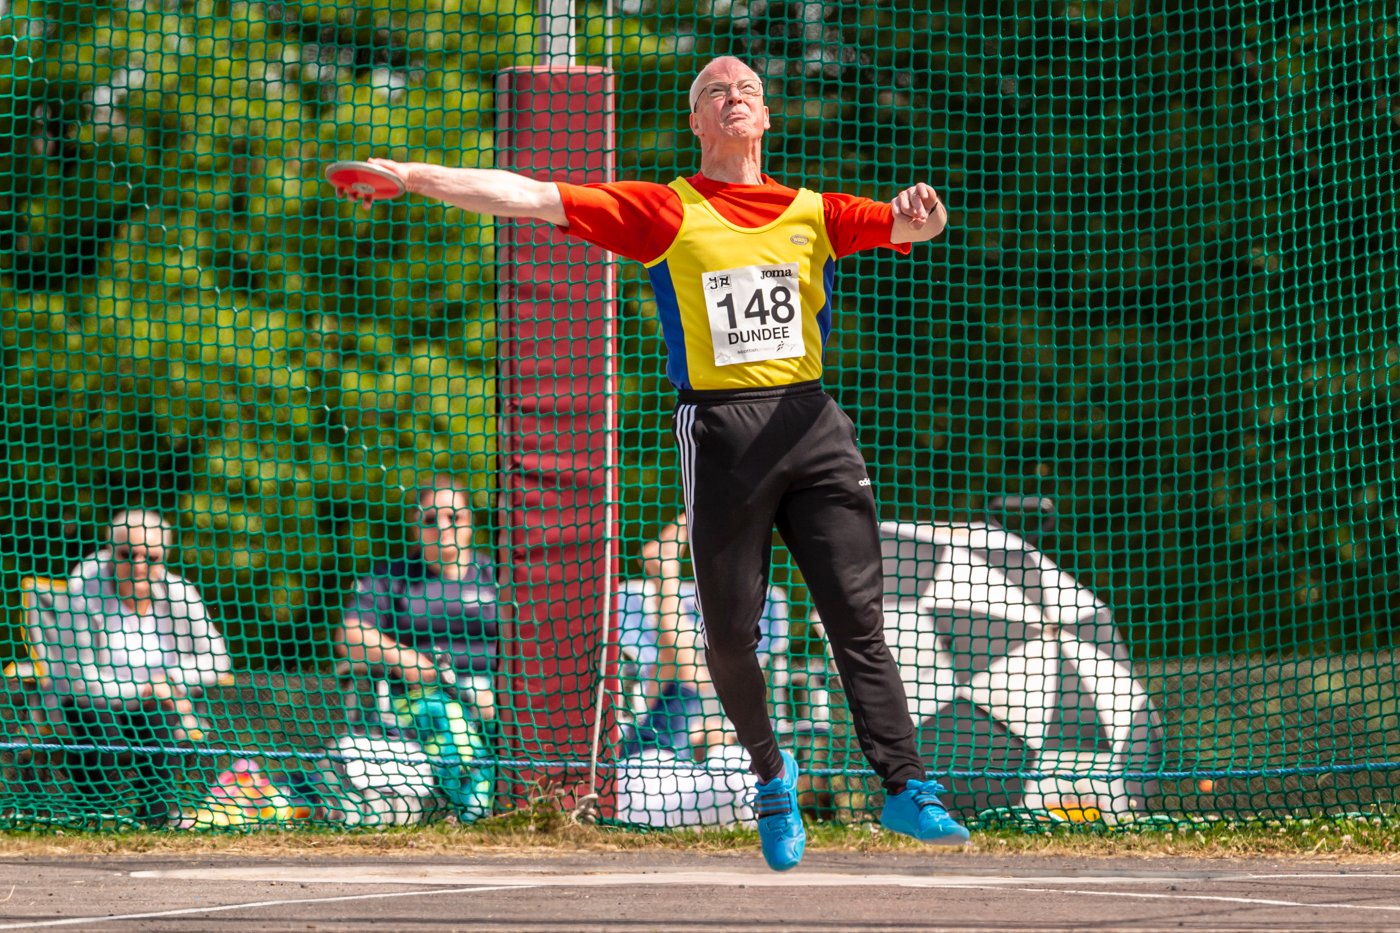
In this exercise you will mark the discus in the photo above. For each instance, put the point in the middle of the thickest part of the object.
(364, 182)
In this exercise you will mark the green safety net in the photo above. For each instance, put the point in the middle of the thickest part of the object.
(1130, 421)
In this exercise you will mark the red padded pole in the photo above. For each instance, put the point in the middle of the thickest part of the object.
(555, 330)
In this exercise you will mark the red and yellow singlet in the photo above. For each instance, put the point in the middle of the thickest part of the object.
(742, 273)
(744, 307)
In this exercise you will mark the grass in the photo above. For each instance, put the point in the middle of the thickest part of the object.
(543, 833)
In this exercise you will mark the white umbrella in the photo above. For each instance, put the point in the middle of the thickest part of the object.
(1010, 664)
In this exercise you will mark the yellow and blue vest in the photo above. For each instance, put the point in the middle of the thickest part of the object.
(745, 307)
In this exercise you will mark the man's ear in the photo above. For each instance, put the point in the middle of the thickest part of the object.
(767, 121)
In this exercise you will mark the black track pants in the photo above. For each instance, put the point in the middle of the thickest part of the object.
(790, 460)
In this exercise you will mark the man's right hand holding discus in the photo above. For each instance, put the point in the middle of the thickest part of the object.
(400, 169)
(488, 191)
(366, 182)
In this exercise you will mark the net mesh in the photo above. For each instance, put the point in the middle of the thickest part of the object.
(1129, 421)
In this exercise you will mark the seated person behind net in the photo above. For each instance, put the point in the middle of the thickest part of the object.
(138, 646)
(676, 690)
(430, 620)
(682, 712)
(682, 726)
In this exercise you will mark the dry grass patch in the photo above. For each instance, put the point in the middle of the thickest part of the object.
(543, 834)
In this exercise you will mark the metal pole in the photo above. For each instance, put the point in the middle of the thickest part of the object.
(556, 33)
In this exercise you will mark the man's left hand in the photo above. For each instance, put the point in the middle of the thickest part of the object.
(915, 204)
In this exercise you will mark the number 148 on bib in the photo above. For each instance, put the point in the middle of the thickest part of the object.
(755, 313)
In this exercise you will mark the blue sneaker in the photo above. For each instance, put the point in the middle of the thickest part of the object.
(779, 822)
(917, 812)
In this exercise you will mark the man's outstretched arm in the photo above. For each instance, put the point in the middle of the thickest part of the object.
(494, 192)
(919, 215)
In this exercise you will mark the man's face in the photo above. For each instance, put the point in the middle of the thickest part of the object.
(444, 527)
(140, 558)
(730, 104)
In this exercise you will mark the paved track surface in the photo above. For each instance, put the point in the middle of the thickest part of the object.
(637, 891)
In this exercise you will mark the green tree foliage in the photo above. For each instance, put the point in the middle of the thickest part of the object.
(193, 322)
(1167, 299)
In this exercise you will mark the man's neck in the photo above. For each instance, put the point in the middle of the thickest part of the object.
(734, 166)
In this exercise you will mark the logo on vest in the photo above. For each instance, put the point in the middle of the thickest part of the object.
(798, 240)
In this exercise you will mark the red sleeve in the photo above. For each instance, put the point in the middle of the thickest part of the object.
(855, 224)
(635, 219)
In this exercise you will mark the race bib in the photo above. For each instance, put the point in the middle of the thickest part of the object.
(755, 313)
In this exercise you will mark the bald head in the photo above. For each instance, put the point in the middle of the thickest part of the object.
(726, 68)
(728, 118)
(139, 523)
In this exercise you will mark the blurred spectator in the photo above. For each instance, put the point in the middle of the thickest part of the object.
(680, 764)
(683, 726)
(677, 685)
(428, 623)
(133, 649)
(429, 619)
(678, 641)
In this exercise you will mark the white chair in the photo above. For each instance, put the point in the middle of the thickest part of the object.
(39, 679)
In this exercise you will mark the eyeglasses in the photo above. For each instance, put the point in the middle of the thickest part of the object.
(143, 555)
(719, 90)
(436, 518)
